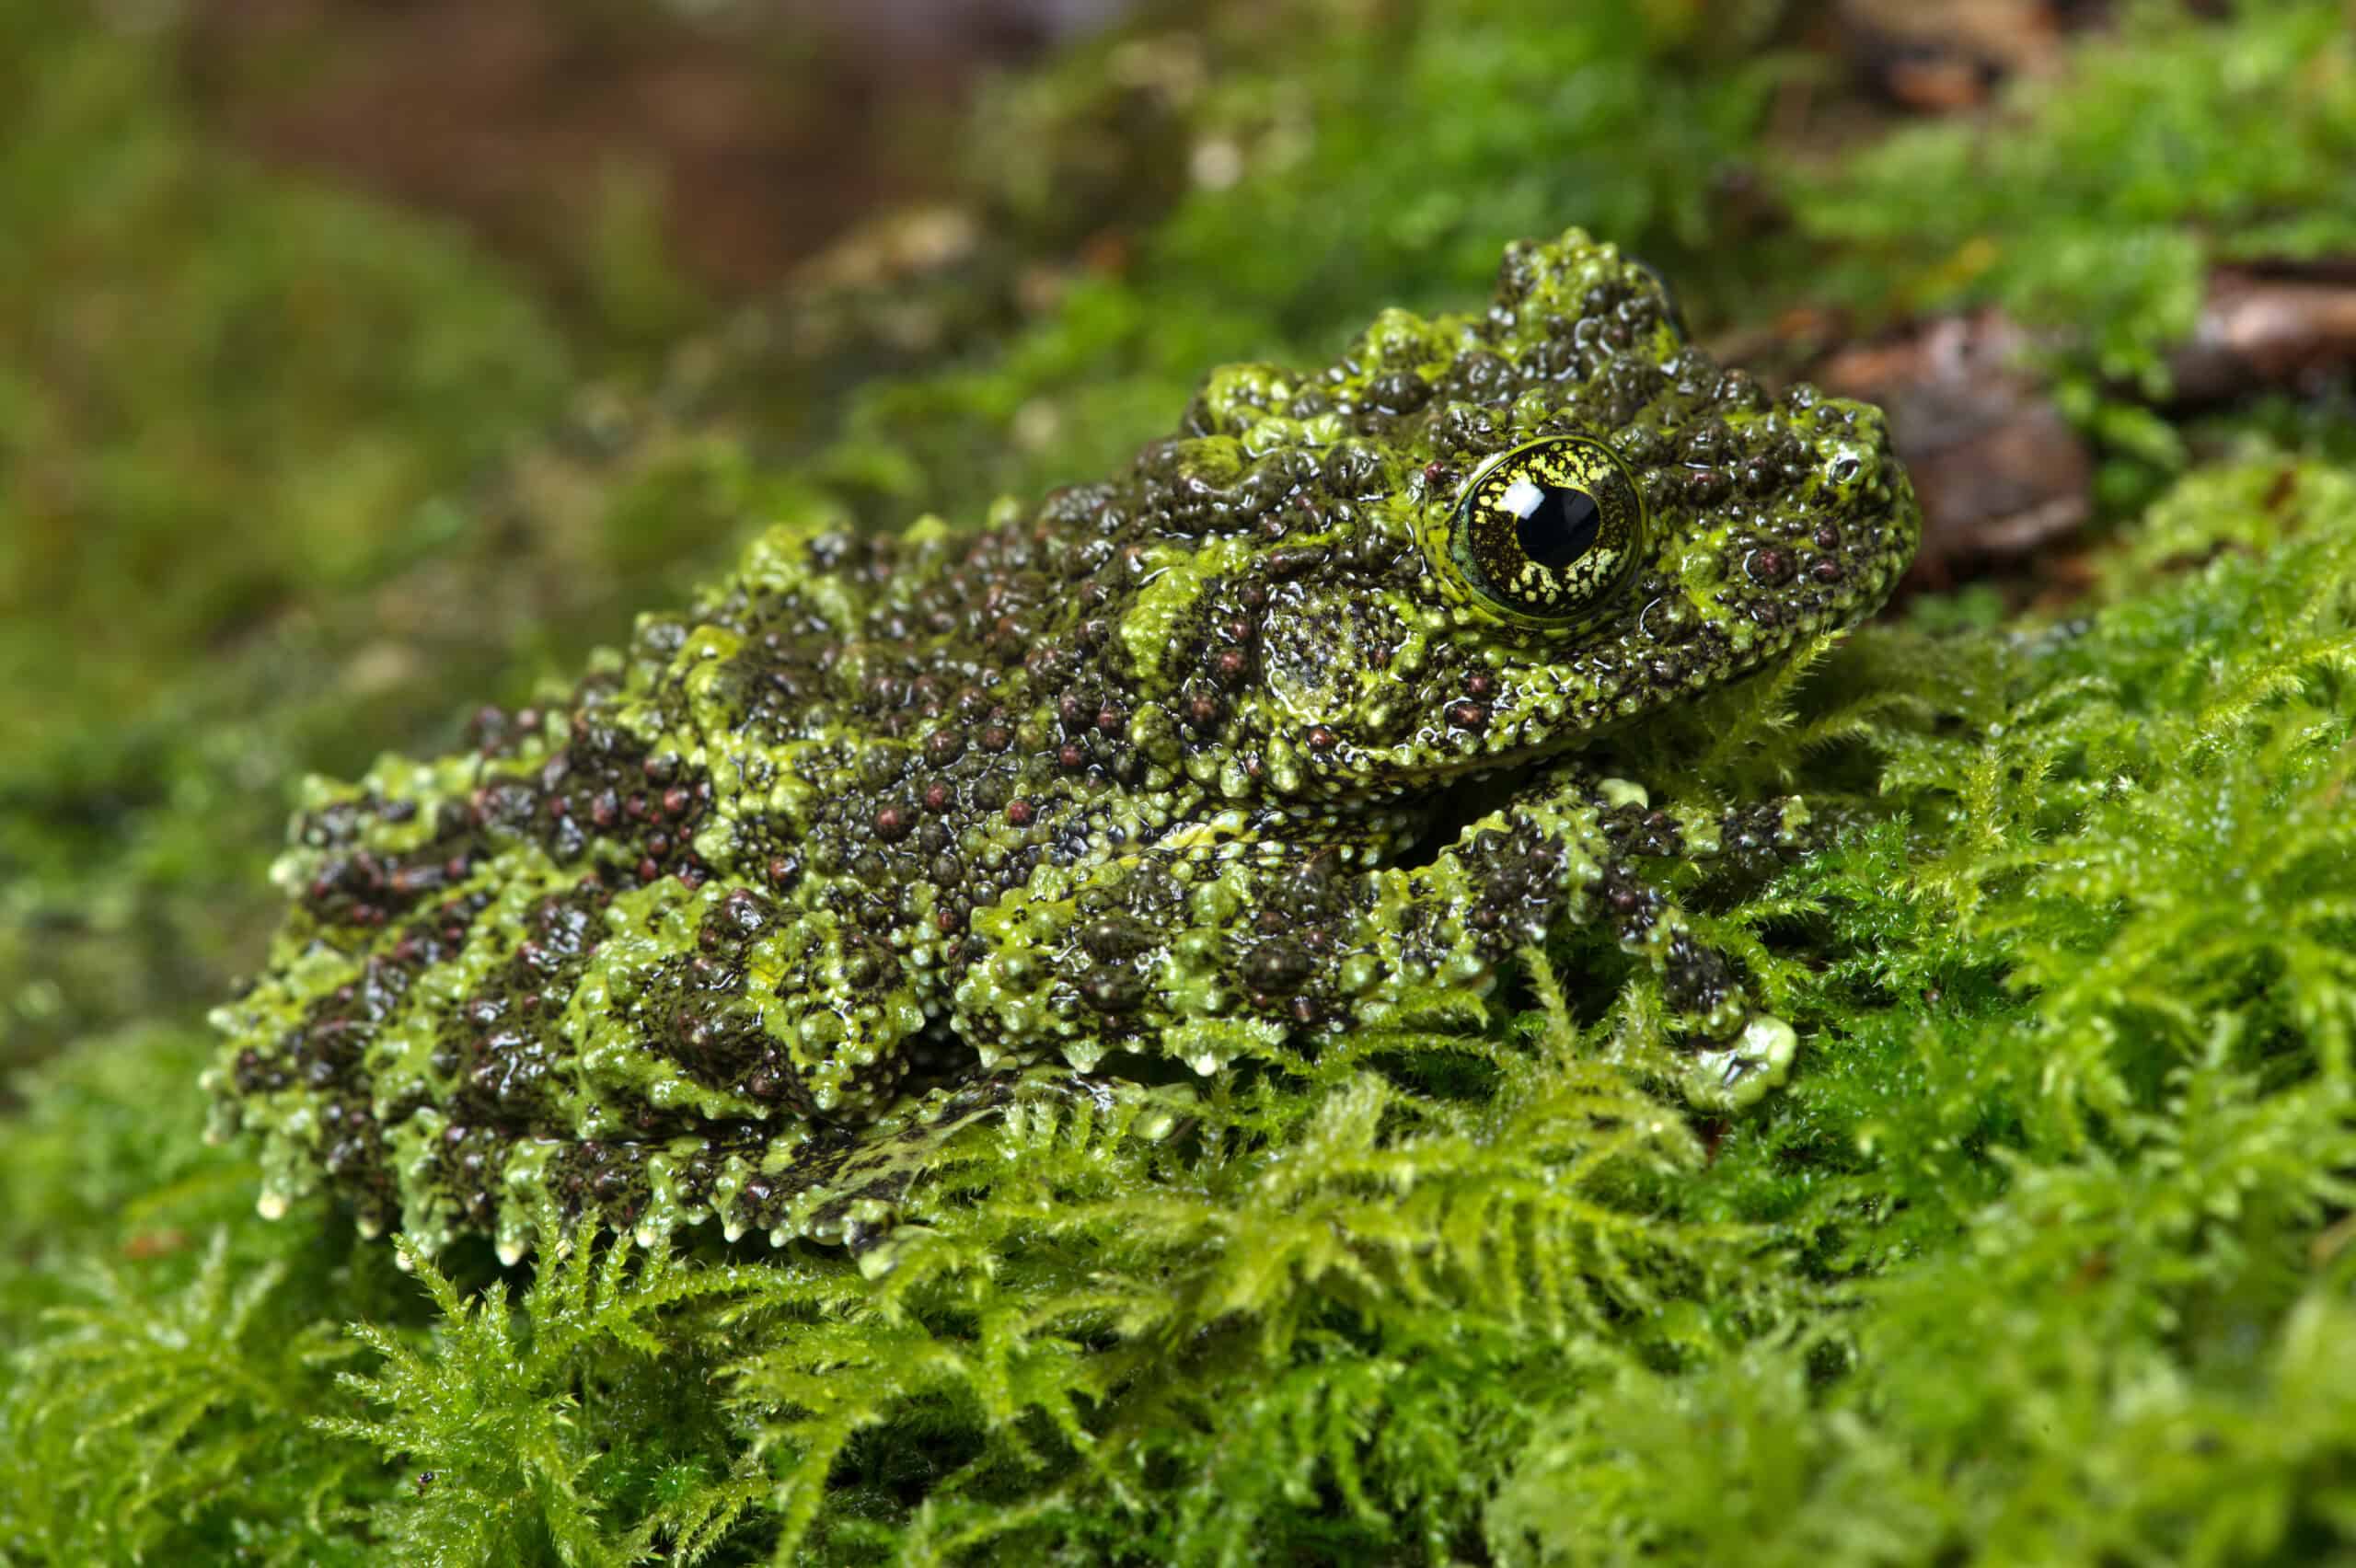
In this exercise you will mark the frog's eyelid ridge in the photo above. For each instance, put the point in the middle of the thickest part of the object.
(1489, 464)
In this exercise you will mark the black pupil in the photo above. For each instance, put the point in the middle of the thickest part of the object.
(1560, 527)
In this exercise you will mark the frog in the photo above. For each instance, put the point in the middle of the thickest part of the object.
(1294, 726)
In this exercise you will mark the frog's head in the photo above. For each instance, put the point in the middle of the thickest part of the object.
(1478, 540)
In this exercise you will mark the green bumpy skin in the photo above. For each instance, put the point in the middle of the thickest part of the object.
(1230, 751)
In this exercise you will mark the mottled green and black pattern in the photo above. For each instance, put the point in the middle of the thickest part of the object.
(1225, 752)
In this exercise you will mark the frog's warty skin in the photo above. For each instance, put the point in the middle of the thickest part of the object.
(1224, 751)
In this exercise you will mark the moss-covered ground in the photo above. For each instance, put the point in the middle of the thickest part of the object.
(2044, 1257)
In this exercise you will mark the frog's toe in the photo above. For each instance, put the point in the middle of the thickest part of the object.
(1738, 1074)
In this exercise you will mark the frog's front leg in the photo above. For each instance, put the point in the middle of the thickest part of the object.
(1206, 947)
(1742, 1051)
(1566, 852)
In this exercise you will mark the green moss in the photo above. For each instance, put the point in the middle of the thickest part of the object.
(2043, 1256)
(122, 1230)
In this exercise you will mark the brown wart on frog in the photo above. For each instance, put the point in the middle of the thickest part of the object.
(883, 833)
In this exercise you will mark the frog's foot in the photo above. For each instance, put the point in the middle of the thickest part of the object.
(1737, 1074)
(1735, 1053)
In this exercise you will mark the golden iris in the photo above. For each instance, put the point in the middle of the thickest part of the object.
(1550, 529)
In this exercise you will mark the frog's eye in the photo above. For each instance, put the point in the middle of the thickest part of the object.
(1549, 529)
